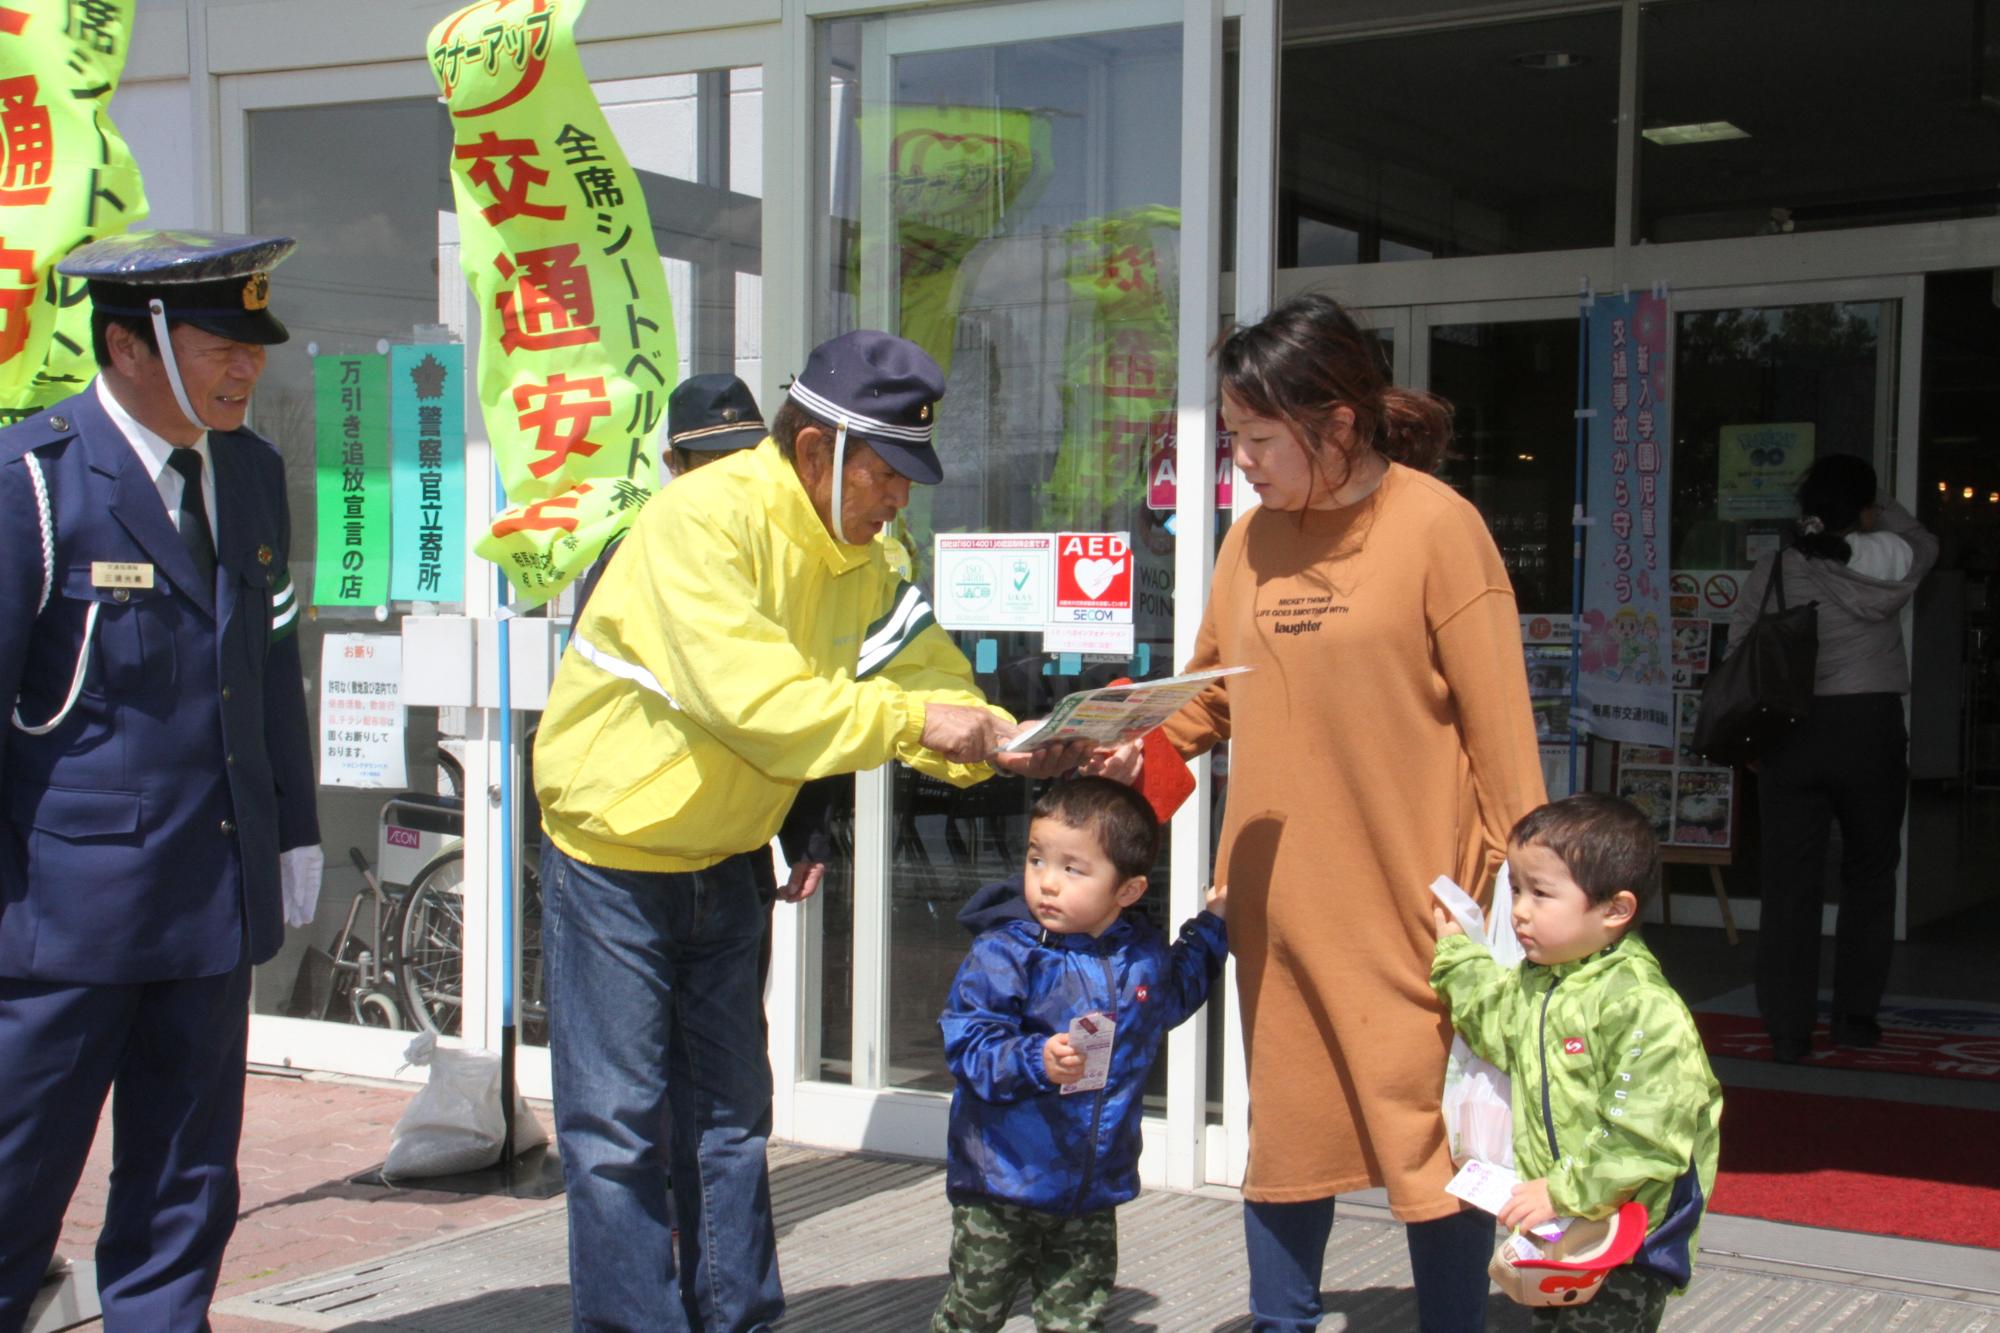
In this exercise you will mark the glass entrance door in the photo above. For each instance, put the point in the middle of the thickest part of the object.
(1006, 190)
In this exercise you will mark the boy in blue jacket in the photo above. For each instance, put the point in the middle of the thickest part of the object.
(1053, 1022)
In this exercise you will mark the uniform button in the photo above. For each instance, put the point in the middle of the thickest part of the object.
(225, 694)
(121, 596)
(228, 827)
(229, 759)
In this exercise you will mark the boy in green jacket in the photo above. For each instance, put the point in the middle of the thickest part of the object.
(1613, 1096)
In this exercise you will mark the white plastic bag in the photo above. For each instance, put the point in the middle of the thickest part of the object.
(1478, 1096)
(454, 1124)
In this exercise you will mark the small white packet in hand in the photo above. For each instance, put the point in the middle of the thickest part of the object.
(1090, 1036)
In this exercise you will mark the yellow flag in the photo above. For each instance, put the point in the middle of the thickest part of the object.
(65, 178)
(577, 350)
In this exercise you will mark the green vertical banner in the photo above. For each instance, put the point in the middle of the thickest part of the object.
(1120, 364)
(577, 335)
(65, 178)
(351, 446)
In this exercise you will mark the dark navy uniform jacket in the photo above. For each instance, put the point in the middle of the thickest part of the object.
(143, 832)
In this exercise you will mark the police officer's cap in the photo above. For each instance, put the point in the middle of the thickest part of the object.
(713, 414)
(215, 281)
(885, 389)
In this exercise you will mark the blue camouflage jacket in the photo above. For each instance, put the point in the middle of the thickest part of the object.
(1013, 1138)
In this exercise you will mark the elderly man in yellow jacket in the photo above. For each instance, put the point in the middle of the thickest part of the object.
(752, 634)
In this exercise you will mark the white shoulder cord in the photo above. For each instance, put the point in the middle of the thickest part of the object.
(48, 525)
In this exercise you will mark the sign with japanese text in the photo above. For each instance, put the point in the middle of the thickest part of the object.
(427, 472)
(1624, 676)
(351, 448)
(992, 580)
(1093, 602)
(361, 716)
(1758, 469)
(1163, 472)
(65, 178)
(577, 350)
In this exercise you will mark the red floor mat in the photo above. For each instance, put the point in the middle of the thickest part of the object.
(1941, 1054)
(1856, 1164)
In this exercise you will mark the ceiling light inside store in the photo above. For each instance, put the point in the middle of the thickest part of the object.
(1548, 60)
(1708, 131)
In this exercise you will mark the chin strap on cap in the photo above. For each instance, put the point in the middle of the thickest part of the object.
(159, 312)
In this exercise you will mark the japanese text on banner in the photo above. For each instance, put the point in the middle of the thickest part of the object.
(577, 350)
(427, 433)
(65, 178)
(351, 444)
(1625, 683)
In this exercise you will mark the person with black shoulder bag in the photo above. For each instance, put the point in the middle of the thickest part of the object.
(1854, 562)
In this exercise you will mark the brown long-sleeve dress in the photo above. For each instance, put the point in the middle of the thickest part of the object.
(1384, 739)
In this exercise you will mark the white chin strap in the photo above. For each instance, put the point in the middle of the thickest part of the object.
(159, 312)
(839, 471)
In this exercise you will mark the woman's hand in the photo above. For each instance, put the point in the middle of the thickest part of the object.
(1528, 1206)
(1062, 1062)
(1446, 923)
(1120, 763)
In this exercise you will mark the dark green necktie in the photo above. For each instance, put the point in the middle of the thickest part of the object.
(194, 513)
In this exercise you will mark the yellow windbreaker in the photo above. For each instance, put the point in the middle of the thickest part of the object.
(732, 651)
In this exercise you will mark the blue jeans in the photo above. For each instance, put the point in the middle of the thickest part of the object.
(656, 1045)
(1287, 1250)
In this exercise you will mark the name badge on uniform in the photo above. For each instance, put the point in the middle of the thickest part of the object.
(120, 574)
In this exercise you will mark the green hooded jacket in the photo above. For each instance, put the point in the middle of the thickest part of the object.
(1613, 1096)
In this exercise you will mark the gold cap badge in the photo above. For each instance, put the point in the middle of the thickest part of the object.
(264, 554)
(924, 412)
(257, 291)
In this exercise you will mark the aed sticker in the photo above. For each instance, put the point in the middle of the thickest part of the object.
(119, 574)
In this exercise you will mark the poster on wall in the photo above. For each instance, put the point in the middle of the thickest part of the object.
(361, 716)
(351, 448)
(992, 580)
(427, 470)
(1692, 803)
(1758, 469)
(1625, 675)
(1546, 643)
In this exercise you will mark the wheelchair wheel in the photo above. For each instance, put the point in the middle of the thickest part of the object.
(378, 1009)
(431, 967)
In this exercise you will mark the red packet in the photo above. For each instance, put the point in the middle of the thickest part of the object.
(1165, 780)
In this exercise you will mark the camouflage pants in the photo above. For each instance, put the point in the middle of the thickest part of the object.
(1071, 1263)
(1630, 1301)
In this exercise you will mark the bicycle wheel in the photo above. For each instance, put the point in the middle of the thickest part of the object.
(431, 967)
(533, 1014)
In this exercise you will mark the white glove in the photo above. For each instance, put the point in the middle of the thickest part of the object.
(299, 872)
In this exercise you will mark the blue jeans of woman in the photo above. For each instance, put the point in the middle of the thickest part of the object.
(662, 1093)
(1287, 1250)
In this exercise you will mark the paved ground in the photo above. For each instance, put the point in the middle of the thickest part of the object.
(862, 1245)
(302, 1139)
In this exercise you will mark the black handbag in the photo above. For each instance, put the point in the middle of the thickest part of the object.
(1765, 686)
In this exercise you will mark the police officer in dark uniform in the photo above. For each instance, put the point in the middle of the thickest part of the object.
(156, 771)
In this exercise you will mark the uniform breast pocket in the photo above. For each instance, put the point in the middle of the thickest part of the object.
(132, 637)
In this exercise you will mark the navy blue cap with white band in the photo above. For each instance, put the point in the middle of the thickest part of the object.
(880, 389)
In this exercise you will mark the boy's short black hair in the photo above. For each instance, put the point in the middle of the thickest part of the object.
(1117, 816)
(1606, 844)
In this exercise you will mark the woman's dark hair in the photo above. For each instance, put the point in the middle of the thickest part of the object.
(1118, 817)
(1605, 843)
(1307, 358)
(1832, 494)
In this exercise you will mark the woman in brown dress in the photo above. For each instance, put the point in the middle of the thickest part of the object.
(1384, 739)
